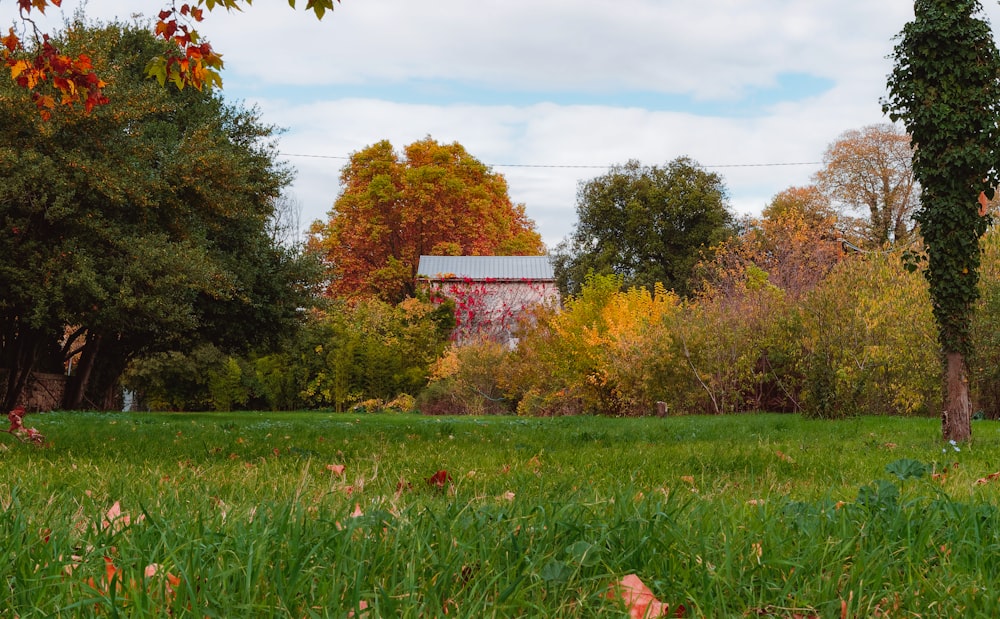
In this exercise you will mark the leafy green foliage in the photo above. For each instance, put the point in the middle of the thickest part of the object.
(867, 337)
(142, 224)
(945, 87)
(647, 225)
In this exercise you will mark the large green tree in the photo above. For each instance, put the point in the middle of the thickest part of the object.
(141, 226)
(432, 199)
(646, 224)
(945, 87)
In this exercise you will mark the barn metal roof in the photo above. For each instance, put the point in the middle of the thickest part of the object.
(535, 268)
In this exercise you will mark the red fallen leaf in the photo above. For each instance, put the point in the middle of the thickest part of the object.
(988, 478)
(336, 469)
(357, 511)
(113, 514)
(439, 479)
(362, 606)
(639, 599)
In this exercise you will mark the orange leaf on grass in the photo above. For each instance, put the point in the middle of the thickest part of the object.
(988, 478)
(639, 599)
(336, 469)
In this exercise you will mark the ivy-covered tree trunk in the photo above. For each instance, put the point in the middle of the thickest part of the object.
(945, 87)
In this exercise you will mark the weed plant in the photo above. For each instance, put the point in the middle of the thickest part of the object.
(251, 515)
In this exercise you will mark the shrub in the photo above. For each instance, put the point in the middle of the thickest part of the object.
(869, 343)
(603, 353)
(464, 381)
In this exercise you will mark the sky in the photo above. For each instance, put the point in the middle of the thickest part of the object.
(552, 92)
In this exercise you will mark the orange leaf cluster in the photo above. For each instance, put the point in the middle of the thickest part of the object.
(193, 63)
(73, 80)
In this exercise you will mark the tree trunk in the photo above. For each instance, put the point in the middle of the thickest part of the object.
(956, 419)
(76, 387)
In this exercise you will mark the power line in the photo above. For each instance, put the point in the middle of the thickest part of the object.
(584, 167)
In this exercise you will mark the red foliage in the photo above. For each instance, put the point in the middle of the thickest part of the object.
(17, 429)
(439, 480)
(488, 308)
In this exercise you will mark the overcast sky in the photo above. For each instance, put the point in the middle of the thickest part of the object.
(549, 92)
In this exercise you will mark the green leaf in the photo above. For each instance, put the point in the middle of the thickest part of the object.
(556, 572)
(584, 553)
(906, 468)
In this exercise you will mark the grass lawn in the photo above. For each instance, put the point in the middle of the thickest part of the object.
(251, 515)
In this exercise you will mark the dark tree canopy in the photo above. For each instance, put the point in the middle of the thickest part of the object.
(945, 87)
(646, 224)
(141, 226)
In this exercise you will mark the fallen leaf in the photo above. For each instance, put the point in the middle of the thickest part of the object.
(988, 478)
(688, 479)
(336, 469)
(638, 598)
(155, 570)
(784, 457)
(439, 479)
(357, 511)
(362, 606)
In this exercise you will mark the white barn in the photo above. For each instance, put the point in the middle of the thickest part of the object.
(490, 292)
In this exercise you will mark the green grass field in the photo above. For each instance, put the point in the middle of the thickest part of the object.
(250, 515)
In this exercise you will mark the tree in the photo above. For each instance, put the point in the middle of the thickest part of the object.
(42, 68)
(869, 170)
(794, 246)
(945, 87)
(646, 224)
(142, 225)
(434, 199)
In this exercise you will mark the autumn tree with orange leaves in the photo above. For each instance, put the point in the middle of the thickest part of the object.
(431, 199)
(55, 78)
(793, 246)
(868, 170)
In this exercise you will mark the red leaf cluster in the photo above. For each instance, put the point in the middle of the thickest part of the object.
(73, 79)
(16, 418)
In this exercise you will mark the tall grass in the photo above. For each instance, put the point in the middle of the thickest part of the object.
(761, 515)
